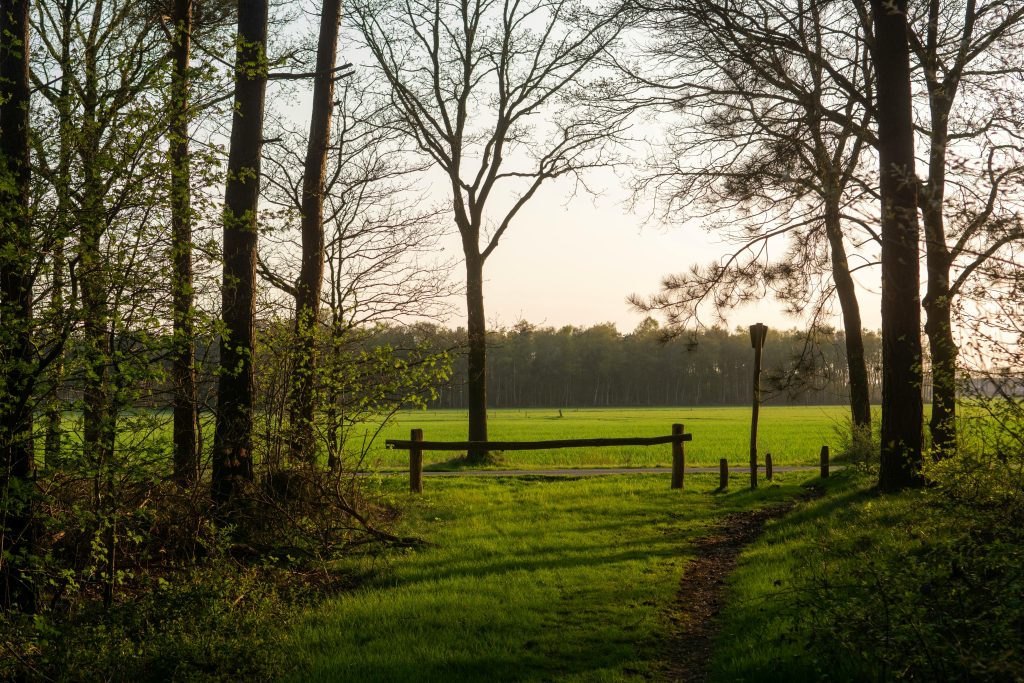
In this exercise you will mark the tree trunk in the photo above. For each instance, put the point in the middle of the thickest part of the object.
(54, 413)
(900, 463)
(860, 400)
(332, 419)
(476, 371)
(937, 300)
(98, 414)
(307, 290)
(55, 406)
(16, 352)
(186, 457)
(232, 447)
(939, 328)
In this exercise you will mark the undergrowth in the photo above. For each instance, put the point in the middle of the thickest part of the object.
(924, 585)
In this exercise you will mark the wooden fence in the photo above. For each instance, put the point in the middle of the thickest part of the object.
(416, 445)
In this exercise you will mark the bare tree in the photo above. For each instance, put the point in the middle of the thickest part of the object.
(967, 52)
(471, 80)
(232, 448)
(379, 241)
(308, 286)
(768, 147)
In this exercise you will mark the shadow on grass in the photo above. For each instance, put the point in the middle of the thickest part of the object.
(569, 591)
(757, 642)
(494, 460)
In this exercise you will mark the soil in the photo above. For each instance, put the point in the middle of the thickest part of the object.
(701, 594)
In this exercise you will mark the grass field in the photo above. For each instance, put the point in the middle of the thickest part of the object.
(529, 579)
(793, 435)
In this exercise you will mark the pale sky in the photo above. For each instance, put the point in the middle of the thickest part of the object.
(574, 261)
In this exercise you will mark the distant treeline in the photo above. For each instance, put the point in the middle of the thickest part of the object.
(531, 366)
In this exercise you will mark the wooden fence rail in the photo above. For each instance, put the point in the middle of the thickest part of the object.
(535, 445)
(416, 445)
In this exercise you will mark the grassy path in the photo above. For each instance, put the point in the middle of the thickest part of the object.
(531, 579)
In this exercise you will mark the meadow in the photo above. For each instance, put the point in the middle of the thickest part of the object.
(793, 435)
(527, 579)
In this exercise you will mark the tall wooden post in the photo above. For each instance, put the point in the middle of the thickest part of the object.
(416, 463)
(678, 458)
(757, 335)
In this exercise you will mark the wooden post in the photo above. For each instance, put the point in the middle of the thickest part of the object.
(416, 463)
(768, 466)
(757, 335)
(678, 459)
(824, 462)
(723, 474)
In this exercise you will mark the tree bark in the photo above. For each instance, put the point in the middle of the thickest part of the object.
(476, 357)
(55, 406)
(186, 457)
(232, 448)
(860, 399)
(902, 410)
(937, 300)
(937, 306)
(16, 353)
(308, 287)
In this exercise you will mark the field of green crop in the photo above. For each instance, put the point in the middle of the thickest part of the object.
(793, 435)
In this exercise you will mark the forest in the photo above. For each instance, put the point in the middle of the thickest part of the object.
(225, 250)
(599, 366)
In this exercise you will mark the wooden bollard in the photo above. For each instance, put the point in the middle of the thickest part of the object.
(768, 466)
(678, 459)
(824, 462)
(416, 463)
(723, 474)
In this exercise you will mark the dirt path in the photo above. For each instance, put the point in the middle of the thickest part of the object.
(701, 593)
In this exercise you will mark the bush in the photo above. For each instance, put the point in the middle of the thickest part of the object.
(222, 621)
(925, 585)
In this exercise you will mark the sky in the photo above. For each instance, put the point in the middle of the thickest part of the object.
(573, 260)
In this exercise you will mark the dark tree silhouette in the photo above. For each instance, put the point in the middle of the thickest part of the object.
(961, 48)
(468, 81)
(902, 410)
(16, 350)
(776, 154)
(183, 372)
(310, 282)
(232, 448)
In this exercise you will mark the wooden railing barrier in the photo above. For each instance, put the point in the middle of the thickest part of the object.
(416, 445)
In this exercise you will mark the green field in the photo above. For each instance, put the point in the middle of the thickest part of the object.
(793, 435)
(529, 579)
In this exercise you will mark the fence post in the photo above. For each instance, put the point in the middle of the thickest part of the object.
(723, 474)
(757, 335)
(824, 462)
(416, 463)
(678, 458)
(768, 466)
